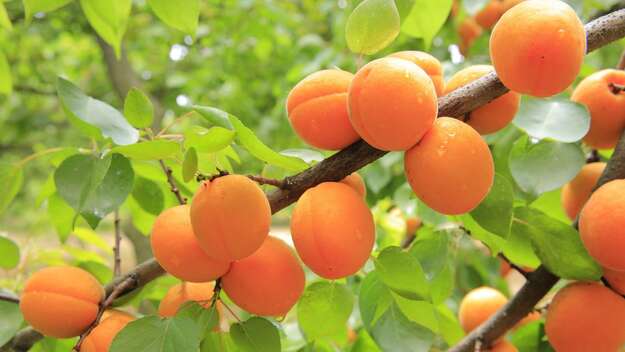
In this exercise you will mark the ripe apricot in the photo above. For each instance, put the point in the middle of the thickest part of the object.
(428, 63)
(392, 103)
(184, 292)
(230, 217)
(508, 4)
(355, 181)
(412, 225)
(503, 346)
(333, 230)
(61, 301)
(317, 109)
(101, 337)
(177, 249)
(616, 279)
(493, 116)
(602, 225)
(586, 316)
(269, 282)
(478, 305)
(577, 191)
(116, 313)
(537, 47)
(490, 14)
(606, 108)
(469, 31)
(451, 170)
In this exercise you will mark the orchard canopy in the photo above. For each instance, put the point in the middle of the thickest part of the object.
(312, 175)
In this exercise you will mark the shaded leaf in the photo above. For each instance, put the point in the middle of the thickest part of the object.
(256, 335)
(10, 321)
(9, 253)
(402, 273)
(189, 164)
(153, 334)
(33, 6)
(11, 179)
(495, 212)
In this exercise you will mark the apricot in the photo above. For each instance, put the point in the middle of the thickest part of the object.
(504, 267)
(469, 31)
(503, 346)
(116, 313)
(586, 316)
(531, 317)
(269, 282)
(451, 170)
(101, 337)
(177, 249)
(317, 110)
(392, 103)
(61, 301)
(602, 225)
(616, 279)
(428, 63)
(177, 295)
(478, 305)
(333, 230)
(490, 14)
(537, 47)
(412, 225)
(356, 182)
(508, 4)
(493, 116)
(606, 108)
(230, 217)
(577, 191)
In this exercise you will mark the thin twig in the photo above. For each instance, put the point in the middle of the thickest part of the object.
(216, 292)
(172, 183)
(514, 266)
(408, 239)
(8, 297)
(267, 181)
(230, 310)
(116, 249)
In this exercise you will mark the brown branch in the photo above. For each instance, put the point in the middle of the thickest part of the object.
(267, 181)
(9, 297)
(172, 183)
(514, 266)
(118, 238)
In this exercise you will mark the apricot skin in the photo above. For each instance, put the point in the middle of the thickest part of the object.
(488, 16)
(607, 110)
(616, 279)
(100, 338)
(269, 282)
(538, 47)
(503, 346)
(181, 293)
(602, 225)
(355, 181)
(317, 109)
(61, 301)
(177, 250)
(586, 316)
(392, 103)
(469, 31)
(412, 225)
(577, 191)
(478, 305)
(493, 116)
(230, 217)
(333, 230)
(428, 63)
(451, 170)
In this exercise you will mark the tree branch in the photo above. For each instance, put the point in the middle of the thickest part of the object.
(118, 238)
(9, 297)
(172, 183)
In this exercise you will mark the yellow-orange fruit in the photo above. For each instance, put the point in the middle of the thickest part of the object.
(586, 316)
(230, 217)
(412, 225)
(184, 292)
(478, 305)
(538, 47)
(493, 116)
(177, 250)
(577, 191)
(317, 109)
(333, 230)
(61, 301)
(100, 338)
(602, 225)
(469, 31)
(355, 181)
(451, 170)
(503, 346)
(490, 14)
(269, 282)
(606, 108)
(616, 279)
(428, 63)
(504, 267)
(392, 103)
(508, 4)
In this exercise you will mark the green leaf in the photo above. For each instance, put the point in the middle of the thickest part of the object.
(215, 116)
(256, 335)
(10, 321)
(91, 114)
(420, 312)
(138, 109)
(11, 179)
(373, 300)
(150, 150)
(61, 215)
(6, 82)
(208, 140)
(148, 195)
(5, 21)
(426, 19)
(181, 14)
(218, 342)
(431, 250)
(402, 273)
(495, 212)
(372, 26)
(404, 7)
(323, 310)
(531, 337)
(88, 236)
(109, 19)
(205, 318)
(394, 332)
(102, 272)
(9, 253)
(33, 6)
(557, 244)
(189, 164)
(557, 118)
(153, 334)
(309, 156)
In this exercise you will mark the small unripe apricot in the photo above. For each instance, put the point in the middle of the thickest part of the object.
(355, 181)
(490, 14)
(101, 337)
(602, 225)
(478, 305)
(503, 346)
(538, 47)
(61, 301)
(586, 316)
(392, 103)
(606, 107)
(577, 191)
(333, 230)
(469, 31)
(428, 63)
(230, 217)
(269, 282)
(493, 116)
(177, 295)
(317, 109)
(177, 249)
(451, 170)
(616, 279)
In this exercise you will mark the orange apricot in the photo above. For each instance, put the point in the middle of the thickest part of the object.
(317, 109)
(230, 217)
(602, 225)
(508, 4)
(412, 225)
(451, 170)
(469, 31)
(490, 14)
(616, 279)
(478, 305)
(538, 47)
(493, 116)
(504, 267)
(101, 337)
(503, 346)
(184, 292)
(577, 191)
(606, 108)
(428, 63)
(269, 282)
(392, 103)
(177, 249)
(355, 181)
(586, 316)
(333, 230)
(61, 301)
(116, 313)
